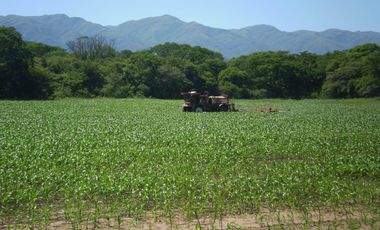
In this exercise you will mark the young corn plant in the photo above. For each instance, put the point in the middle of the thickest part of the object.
(136, 156)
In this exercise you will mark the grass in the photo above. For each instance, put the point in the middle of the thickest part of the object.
(108, 159)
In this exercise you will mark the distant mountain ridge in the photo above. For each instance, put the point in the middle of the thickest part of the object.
(142, 34)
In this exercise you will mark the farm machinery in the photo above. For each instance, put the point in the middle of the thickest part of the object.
(196, 101)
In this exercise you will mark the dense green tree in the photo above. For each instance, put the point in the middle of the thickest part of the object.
(94, 78)
(355, 73)
(196, 55)
(130, 83)
(200, 66)
(73, 77)
(39, 49)
(93, 68)
(170, 82)
(274, 74)
(235, 83)
(311, 70)
(15, 60)
(69, 84)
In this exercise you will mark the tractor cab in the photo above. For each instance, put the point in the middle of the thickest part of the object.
(195, 101)
(192, 101)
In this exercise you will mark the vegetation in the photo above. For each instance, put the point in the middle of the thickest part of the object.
(93, 68)
(107, 158)
(96, 47)
(354, 74)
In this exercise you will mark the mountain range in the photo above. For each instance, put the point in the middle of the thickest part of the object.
(142, 34)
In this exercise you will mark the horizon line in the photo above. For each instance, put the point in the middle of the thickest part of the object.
(175, 17)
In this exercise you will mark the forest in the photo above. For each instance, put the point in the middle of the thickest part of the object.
(92, 67)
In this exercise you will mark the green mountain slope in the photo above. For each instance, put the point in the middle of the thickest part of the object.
(142, 34)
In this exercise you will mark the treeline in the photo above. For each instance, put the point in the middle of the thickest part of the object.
(92, 68)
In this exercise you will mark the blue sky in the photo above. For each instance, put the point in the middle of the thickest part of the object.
(287, 15)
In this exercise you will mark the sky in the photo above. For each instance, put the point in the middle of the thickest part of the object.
(286, 15)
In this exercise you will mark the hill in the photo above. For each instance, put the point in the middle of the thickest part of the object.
(145, 33)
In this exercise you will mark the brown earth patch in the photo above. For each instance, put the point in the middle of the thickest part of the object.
(264, 110)
(265, 219)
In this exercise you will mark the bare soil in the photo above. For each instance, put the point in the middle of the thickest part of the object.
(265, 219)
(264, 110)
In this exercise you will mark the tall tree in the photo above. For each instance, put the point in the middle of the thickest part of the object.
(14, 63)
(354, 73)
(96, 47)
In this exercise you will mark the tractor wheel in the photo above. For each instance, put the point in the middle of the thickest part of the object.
(223, 108)
(198, 109)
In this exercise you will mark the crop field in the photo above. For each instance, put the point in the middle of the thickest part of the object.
(123, 163)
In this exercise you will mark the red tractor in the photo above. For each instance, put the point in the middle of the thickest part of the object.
(198, 102)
